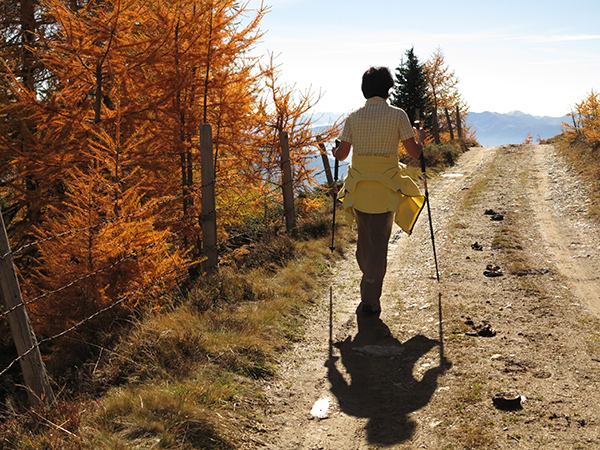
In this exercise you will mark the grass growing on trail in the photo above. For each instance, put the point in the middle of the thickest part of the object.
(508, 239)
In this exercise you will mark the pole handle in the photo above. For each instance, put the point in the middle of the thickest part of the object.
(337, 162)
(336, 168)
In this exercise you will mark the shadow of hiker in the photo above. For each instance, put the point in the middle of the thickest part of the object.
(382, 387)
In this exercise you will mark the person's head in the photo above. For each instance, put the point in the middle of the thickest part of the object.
(377, 82)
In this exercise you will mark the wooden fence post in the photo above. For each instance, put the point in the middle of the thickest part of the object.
(435, 126)
(576, 126)
(34, 371)
(458, 123)
(287, 187)
(326, 165)
(449, 124)
(209, 213)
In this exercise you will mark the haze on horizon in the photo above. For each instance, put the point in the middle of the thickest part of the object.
(537, 57)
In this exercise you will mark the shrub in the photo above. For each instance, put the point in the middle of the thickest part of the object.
(585, 125)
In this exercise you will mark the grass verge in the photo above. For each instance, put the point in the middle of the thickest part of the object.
(179, 377)
(188, 376)
(585, 160)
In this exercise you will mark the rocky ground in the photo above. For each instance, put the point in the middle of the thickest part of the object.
(528, 326)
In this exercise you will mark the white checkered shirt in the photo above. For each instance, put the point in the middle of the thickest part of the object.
(377, 129)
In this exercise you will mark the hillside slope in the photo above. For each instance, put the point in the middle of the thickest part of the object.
(512, 128)
(492, 128)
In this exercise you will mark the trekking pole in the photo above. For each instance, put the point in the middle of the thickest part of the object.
(332, 246)
(437, 272)
(422, 158)
(334, 196)
(423, 170)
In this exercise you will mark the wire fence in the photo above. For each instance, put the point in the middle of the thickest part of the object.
(233, 204)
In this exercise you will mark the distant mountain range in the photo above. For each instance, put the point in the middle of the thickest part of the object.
(512, 128)
(492, 128)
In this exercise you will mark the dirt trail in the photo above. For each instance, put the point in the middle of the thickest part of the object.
(573, 242)
(384, 386)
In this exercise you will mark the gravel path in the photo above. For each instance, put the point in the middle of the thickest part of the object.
(532, 330)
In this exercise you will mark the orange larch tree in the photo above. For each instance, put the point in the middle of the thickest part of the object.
(585, 124)
(105, 167)
(101, 248)
(132, 82)
(442, 84)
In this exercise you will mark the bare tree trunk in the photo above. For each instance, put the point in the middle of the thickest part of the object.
(326, 164)
(449, 124)
(435, 127)
(288, 189)
(28, 24)
(209, 213)
(458, 123)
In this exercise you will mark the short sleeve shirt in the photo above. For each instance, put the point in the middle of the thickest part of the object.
(377, 129)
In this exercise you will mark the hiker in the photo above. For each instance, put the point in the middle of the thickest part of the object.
(375, 194)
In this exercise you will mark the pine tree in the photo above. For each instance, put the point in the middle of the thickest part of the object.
(410, 88)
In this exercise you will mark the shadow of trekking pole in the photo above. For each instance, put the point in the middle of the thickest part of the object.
(437, 272)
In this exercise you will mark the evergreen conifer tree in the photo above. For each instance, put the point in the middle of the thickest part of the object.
(410, 88)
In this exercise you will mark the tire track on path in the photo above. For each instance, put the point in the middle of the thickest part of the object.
(571, 239)
(547, 347)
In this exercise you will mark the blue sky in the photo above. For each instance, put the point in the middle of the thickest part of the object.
(538, 57)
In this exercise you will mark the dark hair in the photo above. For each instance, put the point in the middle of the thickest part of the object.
(377, 82)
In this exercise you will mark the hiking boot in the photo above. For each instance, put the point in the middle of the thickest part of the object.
(366, 309)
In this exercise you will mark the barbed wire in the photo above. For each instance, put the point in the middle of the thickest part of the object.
(91, 274)
(87, 319)
(130, 255)
(91, 227)
(192, 188)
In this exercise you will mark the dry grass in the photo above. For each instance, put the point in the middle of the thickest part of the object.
(585, 160)
(187, 414)
(178, 378)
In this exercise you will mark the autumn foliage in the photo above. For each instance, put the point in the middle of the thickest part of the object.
(585, 125)
(444, 95)
(100, 161)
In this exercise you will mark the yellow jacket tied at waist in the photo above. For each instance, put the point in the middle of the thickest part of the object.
(375, 185)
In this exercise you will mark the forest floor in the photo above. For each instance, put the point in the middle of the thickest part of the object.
(532, 330)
